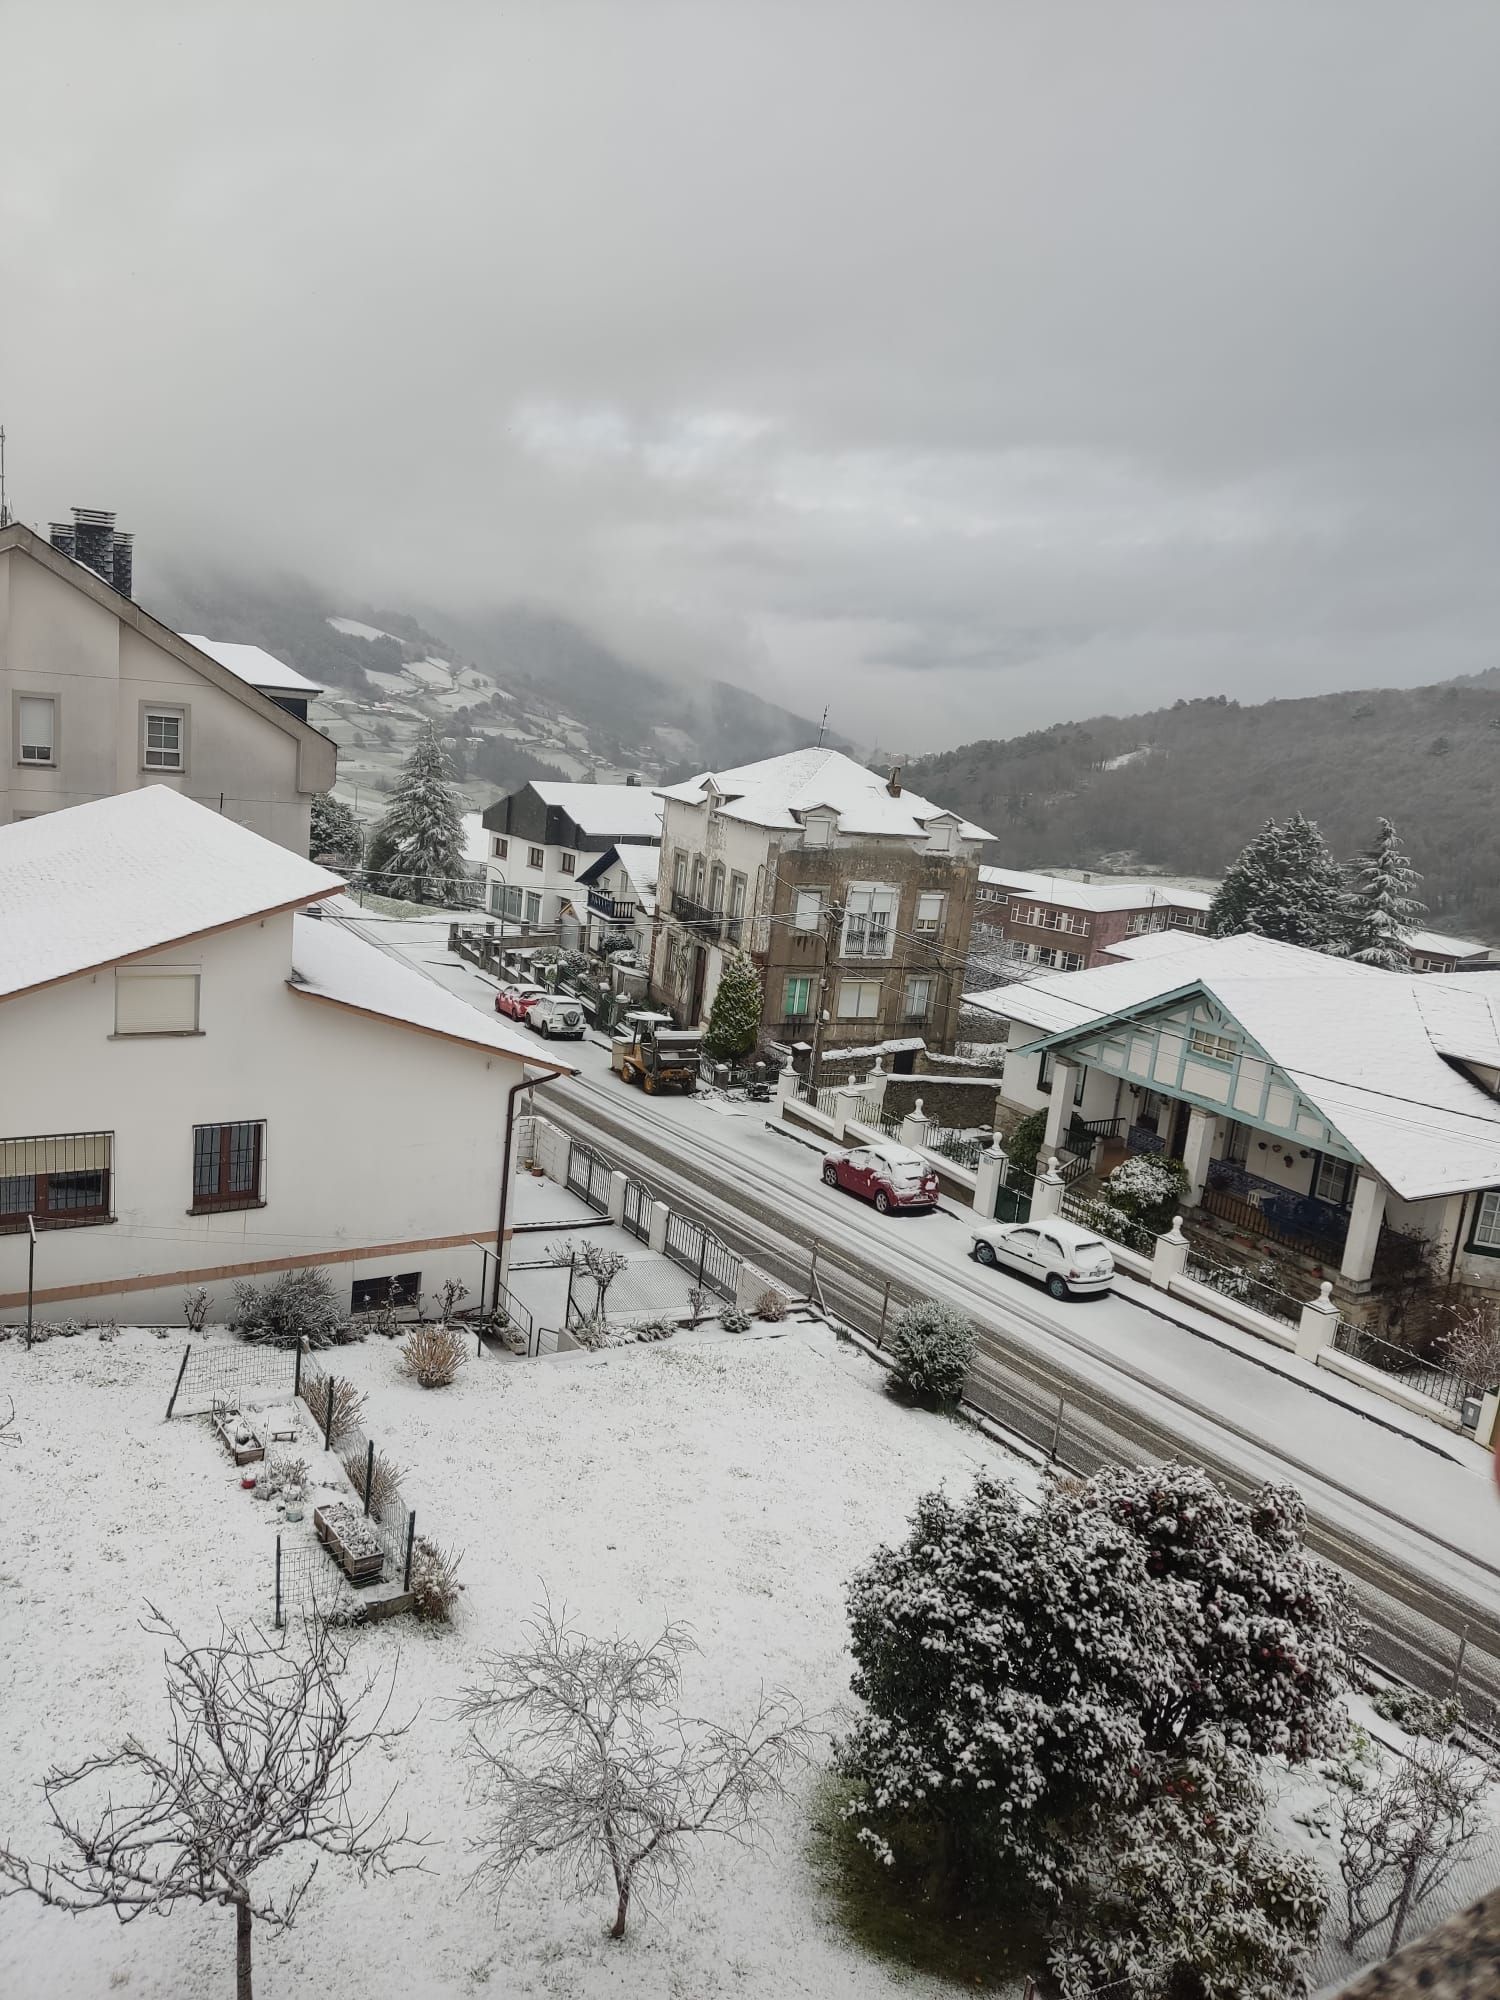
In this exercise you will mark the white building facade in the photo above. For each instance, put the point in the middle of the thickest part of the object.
(542, 837)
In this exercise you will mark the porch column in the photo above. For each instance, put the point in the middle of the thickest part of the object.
(1366, 1214)
(1059, 1105)
(1197, 1151)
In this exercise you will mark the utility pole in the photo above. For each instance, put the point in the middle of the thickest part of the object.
(5, 504)
(833, 919)
(822, 726)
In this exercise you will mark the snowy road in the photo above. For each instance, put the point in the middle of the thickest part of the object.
(1406, 1509)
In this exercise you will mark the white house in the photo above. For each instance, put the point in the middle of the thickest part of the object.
(98, 697)
(621, 891)
(543, 836)
(1313, 1101)
(208, 1076)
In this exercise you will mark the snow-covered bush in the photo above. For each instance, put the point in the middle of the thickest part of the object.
(195, 1303)
(1400, 1838)
(771, 1305)
(449, 1296)
(657, 1328)
(1150, 1189)
(1417, 1713)
(932, 1347)
(1115, 1226)
(1025, 1142)
(433, 1355)
(435, 1587)
(733, 1320)
(385, 1477)
(593, 1331)
(296, 1305)
(319, 1391)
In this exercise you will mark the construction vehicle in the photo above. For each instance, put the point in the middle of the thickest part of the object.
(648, 1050)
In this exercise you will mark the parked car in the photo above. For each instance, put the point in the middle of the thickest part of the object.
(1063, 1256)
(518, 999)
(890, 1176)
(558, 1016)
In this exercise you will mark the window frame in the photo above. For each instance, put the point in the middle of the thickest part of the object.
(401, 1288)
(930, 926)
(568, 863)
(66, 1215)
(224, 1198)
(499, 848)
(910, 1011)
(871, 916)
(24, 763)
(536, 857)
(181, 714)
(129, 975)
(738, 889)
(788, 1011)
(1329, 1162)
(1475, 1247)
(800, 898)
(716, 888)
(844, 1013)
(679, 873)
(533, 913)
(1223, 1048)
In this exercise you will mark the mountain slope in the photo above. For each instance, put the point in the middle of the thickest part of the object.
(1183, 788)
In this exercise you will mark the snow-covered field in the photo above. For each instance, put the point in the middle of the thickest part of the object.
(731, 1484)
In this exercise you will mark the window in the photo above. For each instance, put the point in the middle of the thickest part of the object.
(369, 1294)
(1144, 921)
(1070, 961)
(940, 839)
(798, 999)
(499, 849)
(679, 874)
(1332, 1181)
(1486, 1235)
(533, 906)
(569, 863)
(736, 895)
(698, 879)
(164, 739)
(918, 999)
(869, 919)
(1040, 917)
(930, 910)
(1044, 1071)
(536, 857)
(859, 999)
(156, 1001)
(807, 910)
(716, 886)
(226, 1166)
(504, 901)
(1217, 1048)
(1237, 1145)
(36, 729)
(817, 833)
(60, 1182)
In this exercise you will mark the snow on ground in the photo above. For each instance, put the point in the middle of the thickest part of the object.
(355, 630)
(734, 1485)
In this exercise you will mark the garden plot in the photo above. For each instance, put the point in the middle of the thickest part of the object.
(733, 1485)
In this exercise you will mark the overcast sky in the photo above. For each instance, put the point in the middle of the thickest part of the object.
(965, 366)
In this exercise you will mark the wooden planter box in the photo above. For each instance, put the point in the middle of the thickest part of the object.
(242, 1454)
(360, 1565)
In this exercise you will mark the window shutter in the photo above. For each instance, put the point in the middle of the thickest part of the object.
(155, 1003)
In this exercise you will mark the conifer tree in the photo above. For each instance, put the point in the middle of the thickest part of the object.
(734, 1019)
(419, 844)
(1285, 885)
(337, 838)
(1385, 907)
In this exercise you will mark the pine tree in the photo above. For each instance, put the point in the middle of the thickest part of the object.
(338, 839)
(734, 1019)
(419, 843)
(1385, 906)
(1285, 885)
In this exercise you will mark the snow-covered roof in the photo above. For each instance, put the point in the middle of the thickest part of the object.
(777, 790)
(122, 876)
(642, 866)
(1437, 945)
(1366, 1047)
(628, 810)
(1109, 893)
(255, 666)
(330, 961)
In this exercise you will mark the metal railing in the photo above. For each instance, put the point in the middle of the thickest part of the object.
(614, 909)
(1108, 1222)
(697, 916)
(1252, 1220)
(1446, 1386)
(707, 1256)
(1246, 1287)
(588, 1176)
(639, 1200)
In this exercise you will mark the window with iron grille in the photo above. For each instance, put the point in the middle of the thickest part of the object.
(226, 1165)
(60, 1181)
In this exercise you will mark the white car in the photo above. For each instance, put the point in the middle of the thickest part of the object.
(558, 1016)
(1065, 1258)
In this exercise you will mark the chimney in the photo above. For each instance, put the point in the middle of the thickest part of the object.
(124, 564)
(60, 534)
(94, 540)
(893, 782)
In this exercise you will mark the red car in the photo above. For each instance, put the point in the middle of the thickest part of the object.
(890, 1176)
(517, 1001)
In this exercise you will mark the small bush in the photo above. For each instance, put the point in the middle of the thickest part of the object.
(734, 1321)
(450, 1295)
(433, 1355)
(592, 1332)
(195, 1308)
(659, 1328)
(932, 1346)
(282, 1473)
(297, 1305)
(348, 1404)
(385, 1477)
(771, 1305)
(434, 1581)
(1150, 1189)
(1417, 1713)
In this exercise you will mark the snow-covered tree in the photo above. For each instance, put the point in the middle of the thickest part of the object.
(932, 1347)
(1384, 910)
(1188, 1895)
(337, 839)
(419, 843)
(1285, 885)
(734, 1019)
(1150, 1189)
(1401, 1838)
(254, 1785)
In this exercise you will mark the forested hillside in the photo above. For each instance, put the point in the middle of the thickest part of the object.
(1183, 788)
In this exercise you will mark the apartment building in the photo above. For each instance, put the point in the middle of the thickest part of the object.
(1066, 925)
(542, 837)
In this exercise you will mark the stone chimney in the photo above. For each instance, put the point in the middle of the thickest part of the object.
(893, 782)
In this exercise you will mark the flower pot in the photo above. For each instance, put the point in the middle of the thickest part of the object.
(247, 1480)
(294, 1510)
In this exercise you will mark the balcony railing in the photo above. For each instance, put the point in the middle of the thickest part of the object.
(706, 923)
(613, 909)
(1263, 1208)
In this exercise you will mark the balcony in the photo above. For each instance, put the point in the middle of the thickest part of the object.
(612, 909)
(711, 925)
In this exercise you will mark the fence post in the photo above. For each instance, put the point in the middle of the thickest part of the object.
(278, 1583)
(369, 1471)
(172, 1403)
(1047, 1194)
(1169, 1258)
(617, 1197)
(1458, 1664)
(989, 1178)
(1318, 1323)
(812, 1272)
(411, 1535)
(885, 1306)
(702, 1255)
(656, 1234)
(328, 1413)
(297, 1371)
(1057, 1429)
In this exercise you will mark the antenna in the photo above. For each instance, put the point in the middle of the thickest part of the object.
(821, 726)
(4, 504)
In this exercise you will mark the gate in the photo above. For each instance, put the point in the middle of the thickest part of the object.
(1013, 1198)
(710, 1260)
(588, 1176)
(637, 1215)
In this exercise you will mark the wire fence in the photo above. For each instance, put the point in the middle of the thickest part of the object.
(371, 1537)
(211, 1375)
